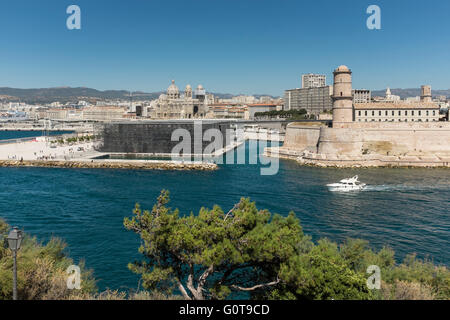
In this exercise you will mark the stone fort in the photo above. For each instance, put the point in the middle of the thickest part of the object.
(396, 134)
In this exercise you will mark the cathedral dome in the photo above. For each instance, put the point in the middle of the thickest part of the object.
(173, 91)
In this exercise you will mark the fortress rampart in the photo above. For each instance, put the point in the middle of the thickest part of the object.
(389, 141)
(392, 142)
(424, 144)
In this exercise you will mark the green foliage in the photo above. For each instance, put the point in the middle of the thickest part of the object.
(323, 274)
(293, 114)
(41, 270)
(412, 277)
(214, 255)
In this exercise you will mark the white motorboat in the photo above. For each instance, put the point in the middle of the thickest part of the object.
(351, 184)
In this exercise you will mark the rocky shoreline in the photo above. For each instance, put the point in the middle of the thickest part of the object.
(96, 164)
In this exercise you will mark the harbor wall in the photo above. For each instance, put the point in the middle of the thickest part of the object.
(358, 139)
(302, 137)
(392, 141)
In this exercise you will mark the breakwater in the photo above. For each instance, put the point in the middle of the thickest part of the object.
(112, 164)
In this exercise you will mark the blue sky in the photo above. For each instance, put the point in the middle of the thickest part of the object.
(229, 46)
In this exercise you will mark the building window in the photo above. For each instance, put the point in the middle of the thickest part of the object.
(428, 113)
(373, 113)
(386, 113)
(434, 112)
(365, 113)
(379, 113)
(412, 112)
(393, 113)
(406, 112)
(420, 113)
(399, 113)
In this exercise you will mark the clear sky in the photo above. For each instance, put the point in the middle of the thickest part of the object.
(229, 46)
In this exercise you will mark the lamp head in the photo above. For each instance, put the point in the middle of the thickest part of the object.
(14, 239)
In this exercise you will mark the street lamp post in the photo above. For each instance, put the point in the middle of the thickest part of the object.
(14, 242)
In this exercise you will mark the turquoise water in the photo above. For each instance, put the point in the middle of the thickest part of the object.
(6, 135)
(406, 209)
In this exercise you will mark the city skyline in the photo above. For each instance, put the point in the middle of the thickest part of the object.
(229, 47)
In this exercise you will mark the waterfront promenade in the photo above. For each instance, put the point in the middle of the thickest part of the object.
(40, 152)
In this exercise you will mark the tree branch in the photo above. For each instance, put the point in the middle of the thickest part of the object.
(202, 279)
(231, 211)
(190, 285)
(183, 290)
(257, 286)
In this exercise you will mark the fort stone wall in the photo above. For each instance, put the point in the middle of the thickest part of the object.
(302, 137)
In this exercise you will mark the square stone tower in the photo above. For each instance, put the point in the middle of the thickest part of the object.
(425, 94)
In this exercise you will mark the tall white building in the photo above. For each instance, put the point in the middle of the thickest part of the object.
(311, 80)
(361, 96)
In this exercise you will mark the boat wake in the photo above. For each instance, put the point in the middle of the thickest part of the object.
(385, 187)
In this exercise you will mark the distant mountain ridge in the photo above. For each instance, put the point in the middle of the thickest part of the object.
(413, 92)
(68, 94)
(73, 95)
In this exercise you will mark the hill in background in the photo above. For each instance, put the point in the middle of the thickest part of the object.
(73, 95)
(413, 92)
